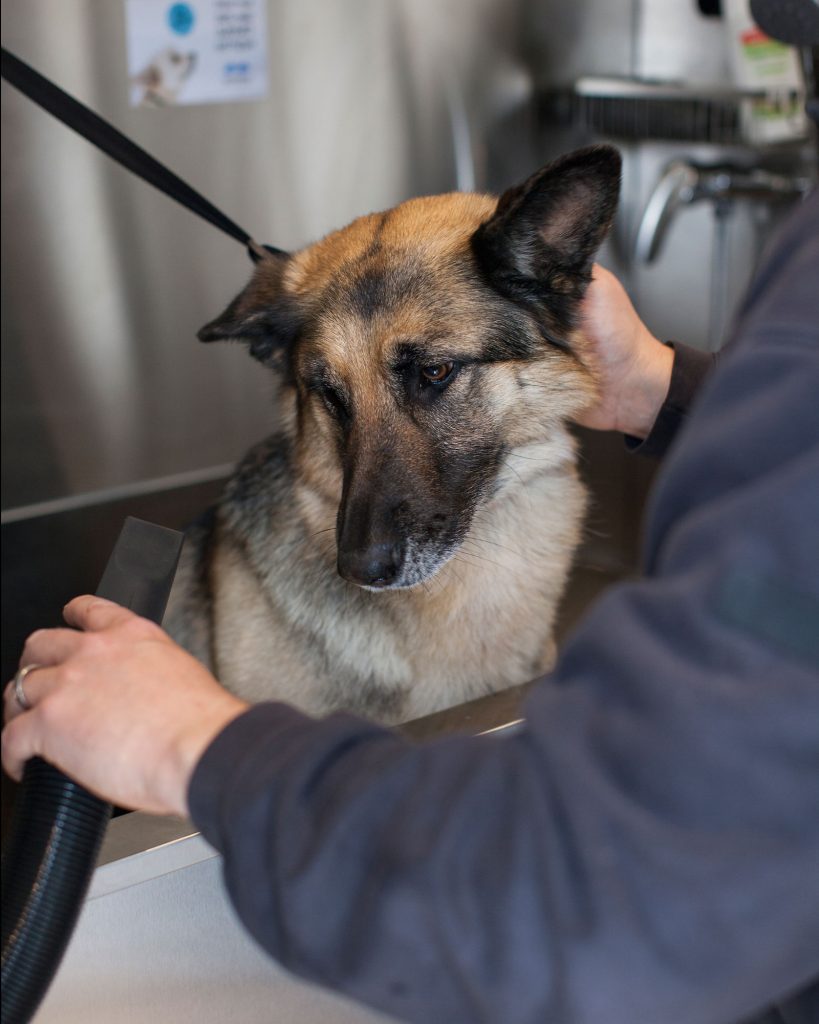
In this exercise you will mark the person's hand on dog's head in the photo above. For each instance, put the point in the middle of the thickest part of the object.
(632, 368)
(117, 706)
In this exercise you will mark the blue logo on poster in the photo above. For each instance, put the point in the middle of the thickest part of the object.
(181, 18)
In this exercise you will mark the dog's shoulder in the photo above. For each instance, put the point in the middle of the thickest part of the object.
(260, 488)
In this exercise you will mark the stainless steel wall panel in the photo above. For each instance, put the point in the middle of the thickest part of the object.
(105, 281)
(564, 41)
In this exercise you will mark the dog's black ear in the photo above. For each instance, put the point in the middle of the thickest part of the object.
(261, 315)
(539, 245)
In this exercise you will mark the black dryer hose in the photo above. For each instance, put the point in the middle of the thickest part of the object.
(58, 826)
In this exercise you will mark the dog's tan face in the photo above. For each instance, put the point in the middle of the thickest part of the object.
(424, 344)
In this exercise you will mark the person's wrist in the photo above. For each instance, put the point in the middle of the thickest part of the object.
(190, 744)
(648, 388)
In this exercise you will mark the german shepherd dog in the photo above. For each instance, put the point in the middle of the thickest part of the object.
(401, 543)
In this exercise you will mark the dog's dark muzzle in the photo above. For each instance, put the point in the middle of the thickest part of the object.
(371, 539)
(376, 565)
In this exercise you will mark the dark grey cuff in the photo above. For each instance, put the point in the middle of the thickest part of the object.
(688, 371)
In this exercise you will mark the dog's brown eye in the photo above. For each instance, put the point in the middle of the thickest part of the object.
(437, 373)
(334, 403)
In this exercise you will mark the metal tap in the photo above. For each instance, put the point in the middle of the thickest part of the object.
(683, 183)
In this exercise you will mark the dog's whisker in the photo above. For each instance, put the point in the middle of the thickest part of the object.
(526, 458)
(440, 579)
(298, 544)
(319, 533)
(520, 478)
(496, 544)
(483, 558)
(465, 558)
(437, 584)
(450, 570)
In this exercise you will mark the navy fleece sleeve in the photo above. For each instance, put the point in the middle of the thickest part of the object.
(646, 849)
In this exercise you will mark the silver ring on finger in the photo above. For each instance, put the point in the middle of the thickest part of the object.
(19, 692)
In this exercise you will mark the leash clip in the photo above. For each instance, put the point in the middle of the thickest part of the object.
(255, 251)
(262, 252)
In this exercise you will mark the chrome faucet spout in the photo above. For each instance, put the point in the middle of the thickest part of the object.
(683, 183)
(678, 186)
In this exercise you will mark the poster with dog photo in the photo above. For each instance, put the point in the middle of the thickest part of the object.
(195, 51)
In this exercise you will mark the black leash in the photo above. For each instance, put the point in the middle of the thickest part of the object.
(111, 141)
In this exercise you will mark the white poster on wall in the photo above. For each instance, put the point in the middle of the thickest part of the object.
(195, 51)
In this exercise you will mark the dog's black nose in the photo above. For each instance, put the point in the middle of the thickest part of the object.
(374, 566)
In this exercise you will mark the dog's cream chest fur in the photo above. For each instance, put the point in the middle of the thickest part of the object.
(482, 623)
